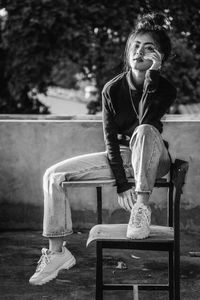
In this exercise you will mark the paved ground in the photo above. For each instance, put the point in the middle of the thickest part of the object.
(67, 102)
(20, 250)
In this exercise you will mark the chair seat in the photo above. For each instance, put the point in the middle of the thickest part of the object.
(104, 182)
(117, 232)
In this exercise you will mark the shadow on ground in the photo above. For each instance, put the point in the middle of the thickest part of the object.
(20, 251)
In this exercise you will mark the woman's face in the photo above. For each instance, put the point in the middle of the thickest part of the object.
(141, 45)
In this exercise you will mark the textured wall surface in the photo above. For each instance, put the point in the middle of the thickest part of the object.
(29, 146)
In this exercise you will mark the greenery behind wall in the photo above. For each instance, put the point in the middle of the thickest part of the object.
(41, 39)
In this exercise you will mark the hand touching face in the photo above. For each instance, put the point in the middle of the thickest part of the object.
(144, 53)
(156, 58)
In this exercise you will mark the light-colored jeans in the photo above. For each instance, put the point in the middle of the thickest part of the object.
(145, 159)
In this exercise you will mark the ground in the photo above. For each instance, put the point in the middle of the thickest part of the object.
(20, 251)
(65, 101)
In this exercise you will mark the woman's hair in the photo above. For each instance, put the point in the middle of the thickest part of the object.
(157, 25)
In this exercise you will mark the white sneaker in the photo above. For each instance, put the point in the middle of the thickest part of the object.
(50, 264)
(139, 223)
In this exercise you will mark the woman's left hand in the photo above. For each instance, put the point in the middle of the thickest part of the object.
(127, 199)
(156, 58)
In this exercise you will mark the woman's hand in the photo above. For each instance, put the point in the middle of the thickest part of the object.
(127, 199)
(156, 58)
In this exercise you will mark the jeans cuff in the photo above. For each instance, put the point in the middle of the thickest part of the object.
(52, 235)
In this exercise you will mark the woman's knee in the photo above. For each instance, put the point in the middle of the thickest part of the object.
(143, 132)
(146, 129)
(53, 178)
(48, 174)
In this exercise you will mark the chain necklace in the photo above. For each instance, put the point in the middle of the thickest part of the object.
(137, 115)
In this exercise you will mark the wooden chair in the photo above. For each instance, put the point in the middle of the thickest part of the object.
(162, 238)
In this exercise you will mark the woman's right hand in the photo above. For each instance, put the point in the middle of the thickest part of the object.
(127, 199)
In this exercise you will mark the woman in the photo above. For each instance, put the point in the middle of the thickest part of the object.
(133, 104)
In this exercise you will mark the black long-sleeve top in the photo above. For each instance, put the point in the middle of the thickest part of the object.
(123, 112)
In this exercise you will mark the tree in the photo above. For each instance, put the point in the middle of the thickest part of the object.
(41, 35)
(184, 66)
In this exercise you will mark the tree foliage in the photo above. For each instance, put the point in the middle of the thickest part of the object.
(40, 36)
(184, 66)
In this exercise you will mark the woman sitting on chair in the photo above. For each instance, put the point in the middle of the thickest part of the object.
(133, 104)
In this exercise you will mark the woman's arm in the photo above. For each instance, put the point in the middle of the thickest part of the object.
(158, 93)
(157, 97)
(112, 144)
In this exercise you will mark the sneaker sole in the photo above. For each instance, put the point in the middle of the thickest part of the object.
(68, 265)
(136, 235)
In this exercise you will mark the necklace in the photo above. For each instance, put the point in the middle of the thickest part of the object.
(133, 103)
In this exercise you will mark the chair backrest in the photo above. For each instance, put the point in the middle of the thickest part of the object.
(176, 181)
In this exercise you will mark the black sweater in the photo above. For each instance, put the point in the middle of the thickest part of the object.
(120, 119)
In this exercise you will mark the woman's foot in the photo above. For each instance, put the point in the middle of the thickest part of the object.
(139, 223)
(50, 264)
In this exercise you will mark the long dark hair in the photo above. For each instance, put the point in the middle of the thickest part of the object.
(157, 25)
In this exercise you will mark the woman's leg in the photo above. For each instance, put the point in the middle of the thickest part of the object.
(150, 160)
(57, 214)
(57, 221)
(55, 244)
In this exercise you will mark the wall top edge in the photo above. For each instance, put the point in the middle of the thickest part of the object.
(87, 118)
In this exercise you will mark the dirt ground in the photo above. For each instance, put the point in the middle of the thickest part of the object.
(20, 251)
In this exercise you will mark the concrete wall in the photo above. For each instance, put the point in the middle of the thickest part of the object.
(30, 145)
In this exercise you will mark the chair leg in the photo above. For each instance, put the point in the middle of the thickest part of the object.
(99, 271)
(177, 245)
(170, 212)
(179, 180)
(177, 273)
(99, 204)
(171, 274)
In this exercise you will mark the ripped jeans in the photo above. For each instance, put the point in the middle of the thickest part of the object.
(145, 159)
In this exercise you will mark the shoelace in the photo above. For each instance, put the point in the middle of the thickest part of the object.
(44, 259)
(139, 216)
